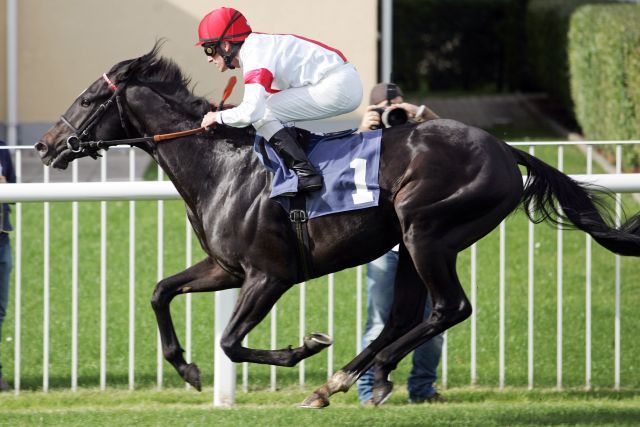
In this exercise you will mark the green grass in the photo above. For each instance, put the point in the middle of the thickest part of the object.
(465, 407)
(287, 317)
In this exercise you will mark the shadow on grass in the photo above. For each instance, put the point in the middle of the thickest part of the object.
(116, 381)
(570, 416)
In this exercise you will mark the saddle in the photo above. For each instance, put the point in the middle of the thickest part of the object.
(348, 162)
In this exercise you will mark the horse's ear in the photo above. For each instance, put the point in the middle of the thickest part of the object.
(129, 69)
(122, 71)
(125, 69)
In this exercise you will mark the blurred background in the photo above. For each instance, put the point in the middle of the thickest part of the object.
(63, 46)
(543, 69)
(518, 68)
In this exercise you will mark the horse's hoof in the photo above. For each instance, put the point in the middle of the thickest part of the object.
(315, 401)
(192, 376)
(317, 341)
(382, 393)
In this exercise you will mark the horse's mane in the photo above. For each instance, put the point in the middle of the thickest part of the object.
(167, 79)
(164, 76)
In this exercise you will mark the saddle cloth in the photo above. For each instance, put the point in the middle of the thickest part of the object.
(349, 164)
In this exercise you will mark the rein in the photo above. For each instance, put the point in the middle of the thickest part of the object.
(155, 138)
(76, 143)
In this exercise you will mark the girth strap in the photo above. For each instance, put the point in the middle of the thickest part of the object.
(299, 218)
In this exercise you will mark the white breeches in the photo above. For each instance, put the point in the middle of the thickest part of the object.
(339, 92)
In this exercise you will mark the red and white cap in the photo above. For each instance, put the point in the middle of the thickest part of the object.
(224, 23)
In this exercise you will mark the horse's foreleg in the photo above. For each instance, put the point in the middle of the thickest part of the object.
(257, 296)
(406, 312)
(205, 276)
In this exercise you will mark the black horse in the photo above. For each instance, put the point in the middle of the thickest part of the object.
(443, 186)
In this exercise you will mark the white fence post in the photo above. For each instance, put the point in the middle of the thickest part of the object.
(224, 370)
(45, 309)
(559, 305)
(132, 273)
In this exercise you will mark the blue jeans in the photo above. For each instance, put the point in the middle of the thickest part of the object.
(381, 274)
(6, 263)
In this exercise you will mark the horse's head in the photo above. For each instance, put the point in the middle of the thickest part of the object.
(114, 107)
(95, 115)
(144, 96)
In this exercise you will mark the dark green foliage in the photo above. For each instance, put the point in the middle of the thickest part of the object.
(547, 27)
(462, 44)
(604, 52)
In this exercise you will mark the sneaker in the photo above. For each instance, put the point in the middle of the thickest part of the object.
(4, 386)
(434, 398)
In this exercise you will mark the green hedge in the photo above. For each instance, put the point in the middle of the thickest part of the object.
(468, 45)
(547, 25)
(604, 57)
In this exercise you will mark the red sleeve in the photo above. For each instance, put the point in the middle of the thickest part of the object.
(261, 76)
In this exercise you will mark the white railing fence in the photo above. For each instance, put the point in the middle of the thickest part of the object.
(224, 383)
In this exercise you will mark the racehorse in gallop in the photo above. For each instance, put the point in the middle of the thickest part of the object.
(443, 186)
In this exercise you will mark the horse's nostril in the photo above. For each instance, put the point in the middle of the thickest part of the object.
(41, 147)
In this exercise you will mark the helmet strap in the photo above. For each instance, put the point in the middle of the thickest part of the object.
(230, 56)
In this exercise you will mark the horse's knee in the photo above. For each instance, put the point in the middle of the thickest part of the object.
(156, 300)
(231, 348)
(160, 298)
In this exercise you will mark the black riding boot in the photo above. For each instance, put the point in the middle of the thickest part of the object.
(295, 158)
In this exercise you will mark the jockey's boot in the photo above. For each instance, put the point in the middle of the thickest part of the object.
(295, 158)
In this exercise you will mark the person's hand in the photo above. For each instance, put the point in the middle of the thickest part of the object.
(209, 119)
(418, 113)
(370, 119)
(3, 179)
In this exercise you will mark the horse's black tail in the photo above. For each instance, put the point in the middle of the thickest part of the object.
(580, 204)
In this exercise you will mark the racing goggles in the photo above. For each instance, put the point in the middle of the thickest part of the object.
(210, 49)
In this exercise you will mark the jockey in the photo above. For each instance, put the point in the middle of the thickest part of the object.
(287, 78)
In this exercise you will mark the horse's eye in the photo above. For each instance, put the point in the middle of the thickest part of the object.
(85, 102)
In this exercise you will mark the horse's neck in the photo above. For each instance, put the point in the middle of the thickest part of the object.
(203, 168)
(221, 159)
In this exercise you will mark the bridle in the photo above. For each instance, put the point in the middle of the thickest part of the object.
(76, 142)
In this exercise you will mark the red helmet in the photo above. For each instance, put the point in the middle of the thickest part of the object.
(223, 23)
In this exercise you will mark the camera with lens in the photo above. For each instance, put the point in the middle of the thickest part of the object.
(391, 117)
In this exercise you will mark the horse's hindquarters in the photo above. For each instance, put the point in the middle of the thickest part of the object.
(457, 176)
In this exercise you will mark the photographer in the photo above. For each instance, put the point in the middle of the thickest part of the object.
(389, 109)
(7, 174)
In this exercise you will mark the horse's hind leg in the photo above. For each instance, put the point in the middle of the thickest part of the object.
(434, 238)
(205, 276)
(407, 311)
(450, 306)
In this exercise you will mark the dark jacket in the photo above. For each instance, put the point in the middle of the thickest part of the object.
(10, 174)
